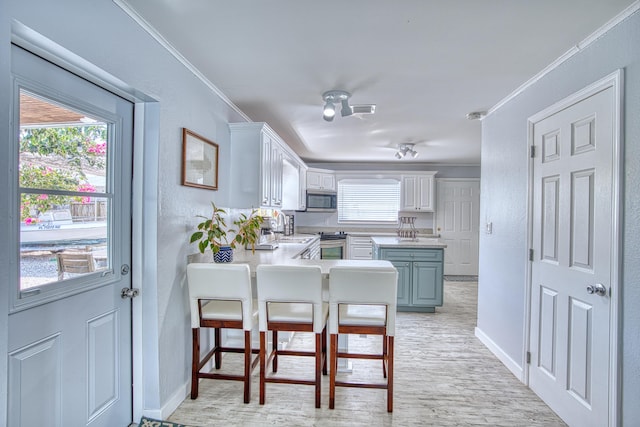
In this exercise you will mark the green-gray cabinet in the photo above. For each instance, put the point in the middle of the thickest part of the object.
(419, 276)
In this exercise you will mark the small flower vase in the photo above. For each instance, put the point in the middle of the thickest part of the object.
(225, 254)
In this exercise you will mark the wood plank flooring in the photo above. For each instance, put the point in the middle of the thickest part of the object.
(444, 377)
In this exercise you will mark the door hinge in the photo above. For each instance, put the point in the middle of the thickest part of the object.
(530, 254)
(528, 357)
(533, 151)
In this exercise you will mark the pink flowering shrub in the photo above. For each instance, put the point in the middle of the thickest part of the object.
(87, 188)
(99, 149)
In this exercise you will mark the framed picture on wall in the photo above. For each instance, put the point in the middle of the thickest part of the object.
(199, 161)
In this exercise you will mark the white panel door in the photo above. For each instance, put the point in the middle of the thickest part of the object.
(457, 216)
(572, 236)
(69, 361)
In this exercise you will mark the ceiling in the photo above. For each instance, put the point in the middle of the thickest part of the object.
(424, 63)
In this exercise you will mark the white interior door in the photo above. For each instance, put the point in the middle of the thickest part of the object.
(573, 239)
(457, 216)
(69, 361)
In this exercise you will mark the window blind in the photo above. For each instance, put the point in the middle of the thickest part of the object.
(368, 200)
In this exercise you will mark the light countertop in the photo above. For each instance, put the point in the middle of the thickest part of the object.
(420, 243)
(290, 247)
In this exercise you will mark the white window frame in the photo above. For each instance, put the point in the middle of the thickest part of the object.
(392, 213)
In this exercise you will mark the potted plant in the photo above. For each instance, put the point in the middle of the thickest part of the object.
(248, 232)
(212, 233)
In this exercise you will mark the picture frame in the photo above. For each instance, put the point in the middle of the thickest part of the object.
(199, 161)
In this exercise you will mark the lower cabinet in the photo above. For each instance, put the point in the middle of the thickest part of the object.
(359, 247)
(419, 277)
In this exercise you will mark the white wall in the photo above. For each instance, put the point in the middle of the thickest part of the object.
(501, 293)
(103, 34)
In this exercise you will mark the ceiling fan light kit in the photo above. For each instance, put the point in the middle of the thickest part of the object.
(332, 97)
(329, 111)
(364, 109)
(346, 108)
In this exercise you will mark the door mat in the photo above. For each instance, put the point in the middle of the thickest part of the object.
(449, 278)
(150, 422)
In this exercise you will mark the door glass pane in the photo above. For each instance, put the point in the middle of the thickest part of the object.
(64, 204)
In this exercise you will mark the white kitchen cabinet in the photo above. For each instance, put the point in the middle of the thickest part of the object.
(277, 156)
(418, 192)
(321, 179)
(360, 247)
(294, 178)
(257, 154)
(302, 201)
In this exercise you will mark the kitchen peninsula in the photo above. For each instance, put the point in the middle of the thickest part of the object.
(290, 251)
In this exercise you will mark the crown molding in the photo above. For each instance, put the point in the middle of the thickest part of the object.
(633, 8)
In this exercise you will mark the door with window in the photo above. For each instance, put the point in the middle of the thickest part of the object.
(69, 361)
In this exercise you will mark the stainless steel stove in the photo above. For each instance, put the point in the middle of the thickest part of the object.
(333, 245)
(338, 235)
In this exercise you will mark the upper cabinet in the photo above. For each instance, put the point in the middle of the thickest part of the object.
(294, 178)
(257, 166)
(418, 192)
(321, 179)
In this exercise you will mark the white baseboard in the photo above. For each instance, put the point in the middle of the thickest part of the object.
(174, 401)
(512, 365)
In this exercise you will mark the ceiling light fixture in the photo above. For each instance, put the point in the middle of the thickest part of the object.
(332, 97)
(404, 149)
(346, 108)
(329, 111)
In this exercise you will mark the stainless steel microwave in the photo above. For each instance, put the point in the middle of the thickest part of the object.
(322, 201)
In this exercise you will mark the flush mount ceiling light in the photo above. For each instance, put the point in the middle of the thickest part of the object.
(404, 149)
(341, 97)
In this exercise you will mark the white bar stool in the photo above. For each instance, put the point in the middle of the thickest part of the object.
(220, 297)
(362, 300)
(290, 299)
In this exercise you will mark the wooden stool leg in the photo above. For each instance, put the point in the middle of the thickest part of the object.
(324, 351)
(263, 364)
(384, 356)
(332, 369)
(195, 361)
(274, 345)
(318, 367)
(216, 345)
(247, 366)
(390, 378)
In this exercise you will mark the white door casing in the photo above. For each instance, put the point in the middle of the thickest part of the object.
(457, 218)
(70, 351)
(575, 240)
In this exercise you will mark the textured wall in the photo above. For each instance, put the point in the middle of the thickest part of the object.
(503, 266)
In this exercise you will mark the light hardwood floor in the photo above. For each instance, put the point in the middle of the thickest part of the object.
(444, 377)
